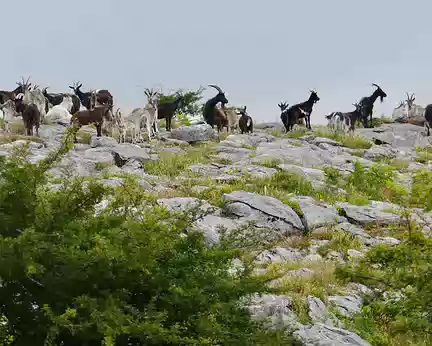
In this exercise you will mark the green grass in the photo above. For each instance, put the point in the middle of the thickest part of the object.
(84, 137)
(349, 141)
(340, 242)
(172, 165)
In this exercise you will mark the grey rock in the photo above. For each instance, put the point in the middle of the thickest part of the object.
(324, 335)
(103, 142)
(365, 215)
(124, 152)
(185, 204)
(277, 309)
(397, 135)
(347, 306)
(271, 207)
(280, 255)
(318, 214)
(381, 152)
(309, 173)
(388, 240)
(354, 253)
(210, 225)
(318, 312)
(194, 133)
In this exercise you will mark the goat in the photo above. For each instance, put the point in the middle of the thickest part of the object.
(344, 122)
(11, 95)
(167, 111)
(95, 116)
(56, 99)
(120, 126)
(299, 111)
(212, 115)
(408, 112)
(9, 113)
(284, 115)
(30, 114)
(245, 122)
(232, 116)
(147, 115)
(428, 118)
(34, 96)
(102, 96)
(367, 103)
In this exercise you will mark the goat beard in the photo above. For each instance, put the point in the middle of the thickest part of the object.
(382, 99)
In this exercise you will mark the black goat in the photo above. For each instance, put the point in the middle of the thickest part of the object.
(428, 116)
(167, 111)
(245, 121)
(10, 95)
(211, 114)
(284, 115)
(30, 114)
(299, 111)
(103, 96)
(367, 103)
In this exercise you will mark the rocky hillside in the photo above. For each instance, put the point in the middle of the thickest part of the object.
(313, 208)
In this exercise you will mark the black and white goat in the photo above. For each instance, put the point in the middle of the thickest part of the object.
(344, 122)
(299, 111)
(58, 98)
(367, 103)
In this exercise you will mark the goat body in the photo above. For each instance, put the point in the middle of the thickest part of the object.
(92, 116)
(9, 113)
(428, 118)
(344, 122)
(367, 103)
(31, 116)
(211, 114)
(232, 117)
(37, 98)
(298, 111)
(246, 124)
(167, 111)
(146, 115)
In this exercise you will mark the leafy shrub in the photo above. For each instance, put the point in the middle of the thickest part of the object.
(75, 274)
(402, 277)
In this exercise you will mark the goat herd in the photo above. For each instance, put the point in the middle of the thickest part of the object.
(80, 108)
(96, 107)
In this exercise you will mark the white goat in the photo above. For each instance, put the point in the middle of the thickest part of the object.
(9, 113)
(120, 126)
(62, 112)
(147, 115)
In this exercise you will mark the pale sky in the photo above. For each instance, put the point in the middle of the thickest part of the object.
(258, 52)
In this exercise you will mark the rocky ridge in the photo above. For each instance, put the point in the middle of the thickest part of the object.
(233, 169)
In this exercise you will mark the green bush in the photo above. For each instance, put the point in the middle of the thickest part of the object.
(402, 279)
(73, 274)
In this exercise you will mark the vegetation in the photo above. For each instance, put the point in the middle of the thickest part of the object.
(75, 274)
(191, 101)
(401, 276)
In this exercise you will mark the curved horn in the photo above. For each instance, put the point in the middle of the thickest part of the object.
(376, 85)
(216, 87)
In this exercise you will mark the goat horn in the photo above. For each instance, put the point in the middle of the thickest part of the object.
(376, 85)
(216, 87)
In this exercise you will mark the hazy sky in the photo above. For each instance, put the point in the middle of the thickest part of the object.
(258, 52)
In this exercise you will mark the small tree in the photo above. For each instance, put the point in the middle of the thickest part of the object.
(191, 100)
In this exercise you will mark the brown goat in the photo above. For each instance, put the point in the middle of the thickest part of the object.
(95, 116)
(31, 116)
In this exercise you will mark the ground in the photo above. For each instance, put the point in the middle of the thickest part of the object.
(318, 202)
